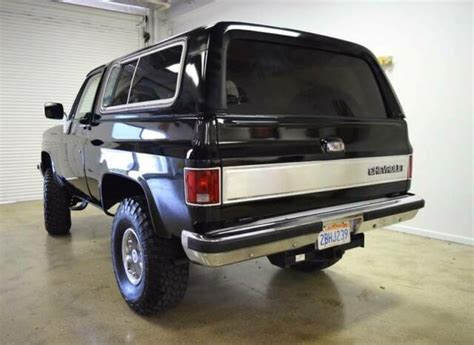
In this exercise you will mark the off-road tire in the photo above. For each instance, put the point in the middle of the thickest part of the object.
(56, 200)
(164, 277)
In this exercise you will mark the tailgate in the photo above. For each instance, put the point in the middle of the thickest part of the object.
(294, 163)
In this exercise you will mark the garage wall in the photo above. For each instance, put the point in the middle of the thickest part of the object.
(432, 46)
(46, 50)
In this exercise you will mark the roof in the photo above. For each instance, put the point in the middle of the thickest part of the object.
(220, 28)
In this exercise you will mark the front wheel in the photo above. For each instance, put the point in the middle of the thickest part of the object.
(150, 271)
(56, 200)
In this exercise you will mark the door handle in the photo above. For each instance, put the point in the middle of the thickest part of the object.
(97, 142)
(87, 127)
(332, 145)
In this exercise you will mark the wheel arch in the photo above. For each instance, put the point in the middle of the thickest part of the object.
(46, 162)
(128, 187)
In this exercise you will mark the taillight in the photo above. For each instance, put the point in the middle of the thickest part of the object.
(202, 186)
(410, 166)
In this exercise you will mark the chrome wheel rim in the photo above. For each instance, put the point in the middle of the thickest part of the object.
(132, 256)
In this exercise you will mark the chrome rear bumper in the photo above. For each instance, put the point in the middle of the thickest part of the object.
(279, 234)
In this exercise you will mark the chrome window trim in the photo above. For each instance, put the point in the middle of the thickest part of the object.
(186, 190)
(147, 104)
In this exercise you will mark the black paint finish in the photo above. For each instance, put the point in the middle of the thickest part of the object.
(151, 147)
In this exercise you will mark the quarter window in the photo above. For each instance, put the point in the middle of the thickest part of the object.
(151, 78)
(156, 76)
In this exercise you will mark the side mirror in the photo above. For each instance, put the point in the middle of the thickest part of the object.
(54, 111)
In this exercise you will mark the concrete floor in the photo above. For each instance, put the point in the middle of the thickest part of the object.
(399, 289)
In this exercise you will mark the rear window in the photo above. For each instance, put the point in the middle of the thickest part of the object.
(270, 78)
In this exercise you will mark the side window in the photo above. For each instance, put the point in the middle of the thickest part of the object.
(156, 77)
(86, 101)
(118, 84)
(152, 77)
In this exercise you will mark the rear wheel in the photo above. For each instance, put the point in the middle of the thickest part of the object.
(56, 200)
(151, 272)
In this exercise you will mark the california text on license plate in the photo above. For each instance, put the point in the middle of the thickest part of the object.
(334, 234)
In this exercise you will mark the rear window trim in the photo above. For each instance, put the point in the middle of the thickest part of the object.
(161, 103)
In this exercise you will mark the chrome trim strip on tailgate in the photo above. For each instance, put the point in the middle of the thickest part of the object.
(264, 181)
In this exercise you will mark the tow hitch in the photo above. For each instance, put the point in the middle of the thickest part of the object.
(308, 253)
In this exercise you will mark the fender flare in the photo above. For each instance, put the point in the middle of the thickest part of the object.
(153, 210)
(46, 158)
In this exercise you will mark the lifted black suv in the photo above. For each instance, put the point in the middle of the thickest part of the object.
(226, 143)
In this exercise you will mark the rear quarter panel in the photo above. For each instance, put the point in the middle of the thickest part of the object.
(154, 154)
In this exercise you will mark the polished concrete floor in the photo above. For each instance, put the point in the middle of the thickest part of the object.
(399, 289)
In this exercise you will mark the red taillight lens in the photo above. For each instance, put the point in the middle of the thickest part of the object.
(202, 186)
(410, 166)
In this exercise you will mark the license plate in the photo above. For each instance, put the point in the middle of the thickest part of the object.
(334, 234)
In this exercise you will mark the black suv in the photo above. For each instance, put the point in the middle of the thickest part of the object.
(227, 143)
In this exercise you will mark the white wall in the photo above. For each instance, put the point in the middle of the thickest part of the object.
(46, 50)
(432, 45)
